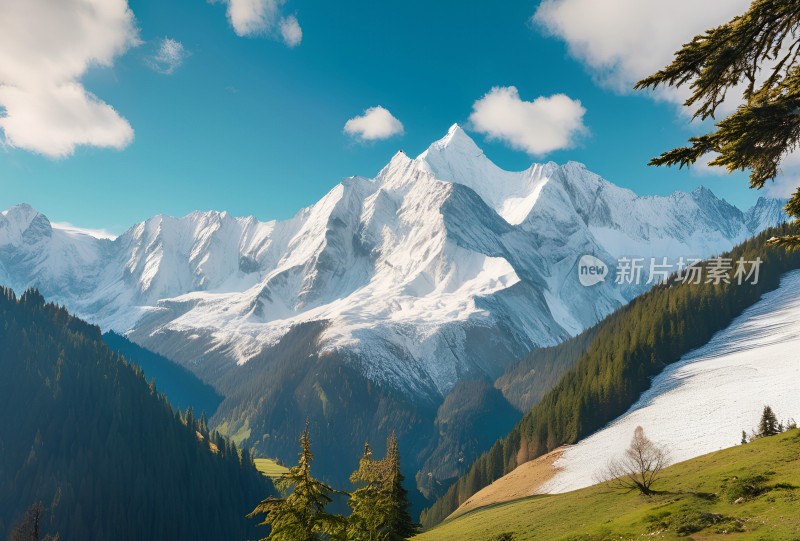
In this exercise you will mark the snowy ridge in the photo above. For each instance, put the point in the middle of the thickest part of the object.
(703, 402)
(75, 230)
(457, 158)
(441, 268)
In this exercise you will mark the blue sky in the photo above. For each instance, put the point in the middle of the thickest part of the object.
(251, 125)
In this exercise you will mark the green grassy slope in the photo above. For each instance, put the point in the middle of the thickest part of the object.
(749, 492)
(270, 468)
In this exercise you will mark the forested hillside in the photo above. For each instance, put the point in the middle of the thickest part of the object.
(471, 418)
(82, 432)
(183, 389)
(627, 349)
(525, 382)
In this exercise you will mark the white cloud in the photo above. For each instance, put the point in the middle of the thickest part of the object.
(376, 123)
(623, 41)
(249, 17)
(169, 57)
(788, 180)
(537, 127)
(263, 17)
(45, 49)
(702, 166)
(53, 120)
(290, 31)
(783, 187)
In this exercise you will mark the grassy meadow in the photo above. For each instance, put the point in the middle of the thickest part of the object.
(270, 468)
(749, 492)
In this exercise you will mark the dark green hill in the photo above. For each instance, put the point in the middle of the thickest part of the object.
(525, 382)
(82, 432)
(473, 415)
(624, 352)
(183, 389)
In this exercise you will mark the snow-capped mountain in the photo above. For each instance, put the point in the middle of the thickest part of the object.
(377, 308)
(441, 268)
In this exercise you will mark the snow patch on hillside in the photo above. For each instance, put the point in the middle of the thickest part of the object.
(703, 402)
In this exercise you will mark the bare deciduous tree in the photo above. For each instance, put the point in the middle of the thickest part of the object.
(639, 467)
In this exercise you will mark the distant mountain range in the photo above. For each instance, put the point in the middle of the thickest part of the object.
(365, 310)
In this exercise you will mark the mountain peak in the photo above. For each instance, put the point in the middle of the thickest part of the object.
(455, 153)
(457, 140)
(702, 191)
(457, 159)
(766, 212)
(22, 215)
(456, 131)
(21, 210)
(25, 222)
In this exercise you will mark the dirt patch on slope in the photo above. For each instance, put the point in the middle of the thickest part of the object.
(524, 481)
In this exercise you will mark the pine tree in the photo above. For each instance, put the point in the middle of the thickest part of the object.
(380, 505)
(757, 51)
(370, 502)
(190, 421)
(28, 528)
(301, 515)
(769, 425)
(744, 437)
(401, 525)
